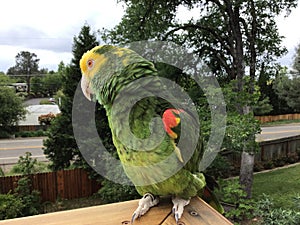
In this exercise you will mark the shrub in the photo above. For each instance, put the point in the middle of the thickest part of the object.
(46, 119)
(232, 193)
(112, 192)
(38, 133)
(30, 198)
(274, 216)
(46, 102)
(1, 172)
(220, 168)
(10, 206)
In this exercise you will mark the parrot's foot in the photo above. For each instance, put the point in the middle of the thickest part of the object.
(146, 202)
(178, 207)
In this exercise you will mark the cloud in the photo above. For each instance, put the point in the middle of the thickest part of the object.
(30, 37)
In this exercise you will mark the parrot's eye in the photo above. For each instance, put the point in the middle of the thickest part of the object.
(90, 63)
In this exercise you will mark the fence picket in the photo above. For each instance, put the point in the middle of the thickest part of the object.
(66, 184)
(267, 119)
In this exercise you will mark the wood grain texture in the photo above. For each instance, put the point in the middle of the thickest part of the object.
(196, 213)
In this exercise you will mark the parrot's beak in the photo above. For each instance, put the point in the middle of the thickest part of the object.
(85, 87)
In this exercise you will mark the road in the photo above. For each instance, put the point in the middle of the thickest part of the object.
(276, 132)
(11, 149)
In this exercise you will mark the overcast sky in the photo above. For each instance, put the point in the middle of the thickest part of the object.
(47, 28)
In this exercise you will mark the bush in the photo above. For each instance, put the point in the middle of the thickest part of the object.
(46, 102)
(11, 111)
(220, 168)
(112, 192)
(46, 119)
(10, 206)
(38, 133)
(30, 199)
(232, 193)
(27, 165)
(274, 216)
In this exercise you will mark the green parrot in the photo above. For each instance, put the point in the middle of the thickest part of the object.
(150, 149)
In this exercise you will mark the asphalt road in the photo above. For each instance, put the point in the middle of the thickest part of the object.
(276, 132)
(12, 149)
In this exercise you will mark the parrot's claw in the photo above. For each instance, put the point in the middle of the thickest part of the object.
(145, 203)
(178, 207)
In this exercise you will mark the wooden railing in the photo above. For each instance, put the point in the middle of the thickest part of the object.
(196, 213)
(66, 184)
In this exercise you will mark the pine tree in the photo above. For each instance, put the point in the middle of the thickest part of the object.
(60, 146)
(296, 64)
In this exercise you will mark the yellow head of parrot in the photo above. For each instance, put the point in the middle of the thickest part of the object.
(90, 63)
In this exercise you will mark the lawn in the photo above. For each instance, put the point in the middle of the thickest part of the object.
(281, 185)
(279, 122)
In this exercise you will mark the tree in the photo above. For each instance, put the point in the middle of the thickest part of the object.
(5, 80)
(26, 64)
(296, 64)
(267, 80)
(61, 147)
(11, 111)
(287, 88)
(228, 35)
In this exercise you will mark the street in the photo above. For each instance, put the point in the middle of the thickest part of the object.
(11, 149)
(276, 132)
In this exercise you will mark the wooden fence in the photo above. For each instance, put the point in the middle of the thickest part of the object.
(287, 148)
(266, 119)
(66, 184)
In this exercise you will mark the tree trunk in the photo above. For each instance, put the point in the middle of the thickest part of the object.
(28, 84)
(247, 164)
(246, 172)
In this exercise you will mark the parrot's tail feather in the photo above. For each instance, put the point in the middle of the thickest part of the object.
(210, 197)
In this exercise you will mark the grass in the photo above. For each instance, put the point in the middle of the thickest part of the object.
(281, 185)
(279, 122)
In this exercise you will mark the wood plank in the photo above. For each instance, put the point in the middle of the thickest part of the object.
(197, 213)
(200, 213)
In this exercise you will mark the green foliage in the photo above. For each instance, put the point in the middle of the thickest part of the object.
(296, 63)
(112, 192)
(30, 198)
(24, 201)
(220, 167)
(11, 111)
(10, 206)
(38, 133)
(1, 172)
(240, 131)
(45, 102)
(233, 194)
(60, 146)
(267, 81)
(263, 107)
(5, 80)
(288, 89)
(27, 165)
(26, 63)
(272, 216)
(46, 85)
